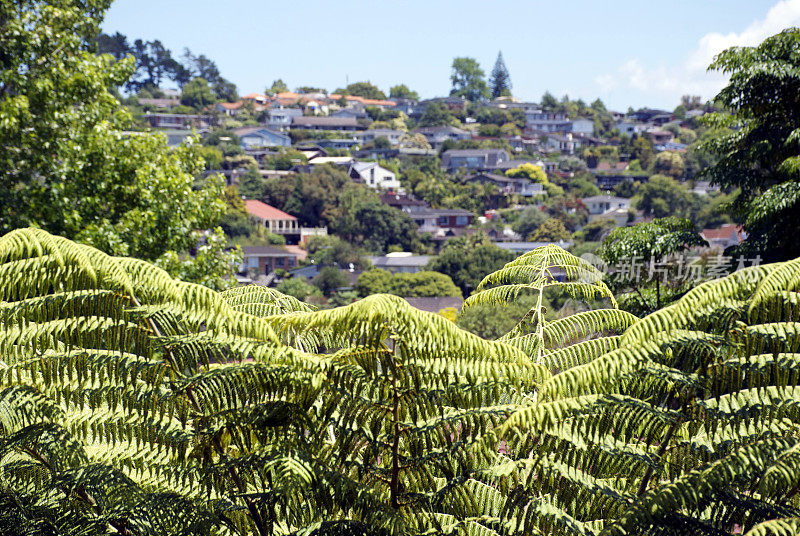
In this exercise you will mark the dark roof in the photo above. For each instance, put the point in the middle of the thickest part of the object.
(434, 305)
(473, 152)
(265, 251)
(401, 200)
(440, 212)
(325, 121)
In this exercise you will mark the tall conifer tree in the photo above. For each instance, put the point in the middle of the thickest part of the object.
(500, 81)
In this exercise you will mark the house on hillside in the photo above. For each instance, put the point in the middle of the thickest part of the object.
(401, 262)
(274, 220)
(326, 123)
(473, 158)
(563, 143)
(228, 108)
(338, 143)
(257, 137)
(629, 128)
(509, 185)
(370, 135)
(434, 220)
(258, 260)
(660, 137)
(281, 118)
(645, 115)
(547, 121)
(402, 201)
(178, 121)
(436, 136)
(350, 113)
(582, 126)
(725, 236)
(607, 206)
(374, 176)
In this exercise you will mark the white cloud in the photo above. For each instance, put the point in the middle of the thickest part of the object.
(690, 76)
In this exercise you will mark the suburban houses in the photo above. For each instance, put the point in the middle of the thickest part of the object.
(452, 178)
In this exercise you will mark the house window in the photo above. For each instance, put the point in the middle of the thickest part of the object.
(444, 221)
(279, 262)
(462, 220)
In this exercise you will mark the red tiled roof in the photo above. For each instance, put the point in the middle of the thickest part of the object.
(725, 231)
(231, 105)
(265, 212)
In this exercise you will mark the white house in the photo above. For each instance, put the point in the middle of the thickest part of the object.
(606, 206)
(374, 175)
(547, 121)
(582, 126)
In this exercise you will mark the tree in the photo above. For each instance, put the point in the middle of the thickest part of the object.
(298, 288)
(198, 94)
(331, 250)
(649, 245)
(363, 89)
(251, 184)
(465, 259)
(529, 220)
(468, 80)
(642, 151)
(529, 171)
(417, 285)
(401, 91)
(278, 86)
(330, 280)
(364, 219)
(669, 163)
(436, 115)
(761, 157)
(552, 230)
(549, 102)
(70, 165)
(663, 196)
(500, 80)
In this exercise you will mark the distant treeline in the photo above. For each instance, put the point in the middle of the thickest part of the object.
(155, 64)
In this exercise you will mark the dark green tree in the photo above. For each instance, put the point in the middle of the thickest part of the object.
(500, 80)
(641, 279)
(278, 86)
(761, 156)
(469, 80)
(198, 94)
(329, 280)
(436, 115)
(251, 184)
(401, 91)
(363, 89)
(549, 102)
(467, 259)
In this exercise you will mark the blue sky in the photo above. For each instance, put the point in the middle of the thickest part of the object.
(629, 53)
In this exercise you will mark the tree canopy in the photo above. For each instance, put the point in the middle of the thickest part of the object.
(401, 91)
(362, 89)
(761, 157)
(468, 80)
